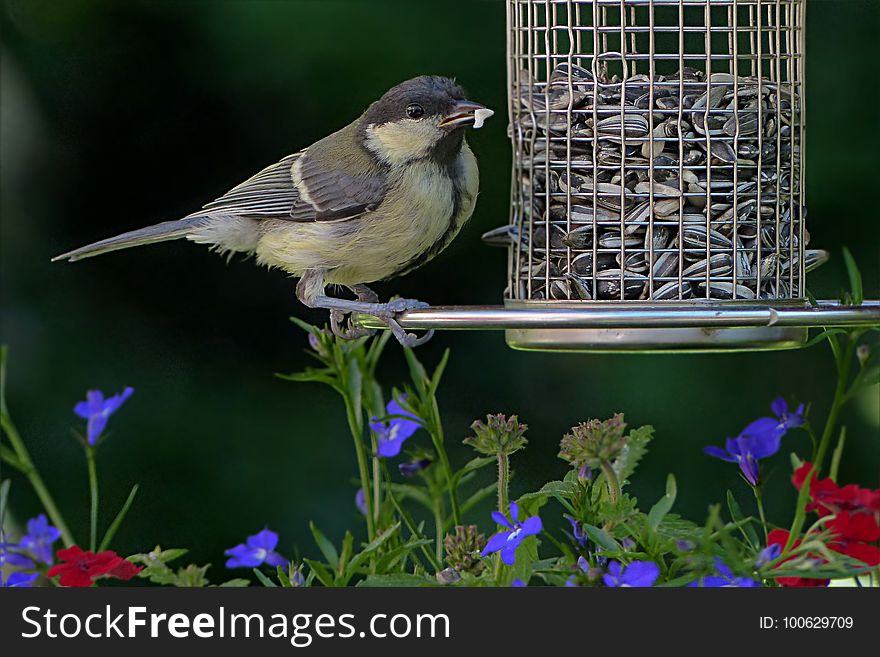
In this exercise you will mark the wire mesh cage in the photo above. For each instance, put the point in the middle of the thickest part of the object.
(657, 159)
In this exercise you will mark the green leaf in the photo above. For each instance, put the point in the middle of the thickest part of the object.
(416, 372)
(370, 548)
(320, 571)
(237, 583)
(283, 577)
(475, 499)
(327, 548)
(396, 579)
(797, 524)
(736, 515)
(663, 505)
(438, 373)
(837, 455)
(265, 581)
(192, 576)
(347, 543)
(4, 499)
(158, 555)
(855, 277)
(636, 447)
(117, 521)
(823, 335)
(564, 489)
(472, 466)
(602, 538)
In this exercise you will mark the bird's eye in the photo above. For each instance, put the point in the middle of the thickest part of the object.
(415, 111)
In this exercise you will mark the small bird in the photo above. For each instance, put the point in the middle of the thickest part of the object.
(375, 200)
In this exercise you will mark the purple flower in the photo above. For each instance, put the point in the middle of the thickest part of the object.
(724, 578)
(98, 410)
(411, 468)
(259, 549)
(584, 566)
(518, 583)
(360, 501)
(39, 539)
(507, 542)
(767, 555)
(773, 428)
(10, 558)
(396, 431)
(18, 580)
(637, 574)
(577, 531)
(758, 440)
(746, 451)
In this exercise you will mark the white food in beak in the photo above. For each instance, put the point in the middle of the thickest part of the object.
(481, 115)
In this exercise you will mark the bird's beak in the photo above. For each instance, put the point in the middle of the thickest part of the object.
(465, 113)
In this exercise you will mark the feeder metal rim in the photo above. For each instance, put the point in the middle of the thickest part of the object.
(535, 315)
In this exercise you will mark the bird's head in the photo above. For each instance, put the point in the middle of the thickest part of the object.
(419, 118)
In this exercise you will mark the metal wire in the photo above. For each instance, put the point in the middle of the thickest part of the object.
(657, 151)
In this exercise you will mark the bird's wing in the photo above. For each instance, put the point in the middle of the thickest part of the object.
(317, 195)
(335, 195)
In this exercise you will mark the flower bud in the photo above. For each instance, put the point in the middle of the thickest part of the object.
(463, 549)
(497, 435)
(590, 444)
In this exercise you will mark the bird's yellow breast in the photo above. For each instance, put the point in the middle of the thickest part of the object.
(415, 215)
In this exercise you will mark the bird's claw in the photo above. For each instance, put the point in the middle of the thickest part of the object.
(339, 328)
(402, 305)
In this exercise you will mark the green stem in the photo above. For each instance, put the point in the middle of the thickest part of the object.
(30, 471)
(93, 498)
(613, 484)
(437, 439)
(355, 423)
(438, 528)
(760, 503)
(503, 481)
(843, 369)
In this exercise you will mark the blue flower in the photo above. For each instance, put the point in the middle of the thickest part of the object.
(637, 574)
(98, 410)
(584, 566)
(411, 468)
(396, 431)
(773, 428)
(259, 549)
(577, 530)
(518, 583)
(507, 542)
(10, 558)
(767, 555)
(39, 539)
(759, 440)
(724, 578)
(360, 501)
(746, 451)
(18, 580)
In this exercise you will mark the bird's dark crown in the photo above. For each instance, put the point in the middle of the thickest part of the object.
(436, 95)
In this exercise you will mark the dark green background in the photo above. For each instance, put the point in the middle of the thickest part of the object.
(119, 114)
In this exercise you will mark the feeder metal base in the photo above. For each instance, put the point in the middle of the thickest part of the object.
(656, 340)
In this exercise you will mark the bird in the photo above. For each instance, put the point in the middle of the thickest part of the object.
(370, 202)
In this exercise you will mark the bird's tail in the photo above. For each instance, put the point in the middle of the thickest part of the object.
(167, 230)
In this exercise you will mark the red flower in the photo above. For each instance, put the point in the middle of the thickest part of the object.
(856, 512)
(84, 567)
(828, 497)
(780, 537)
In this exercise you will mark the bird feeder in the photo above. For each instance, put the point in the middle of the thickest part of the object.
(657, 195)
